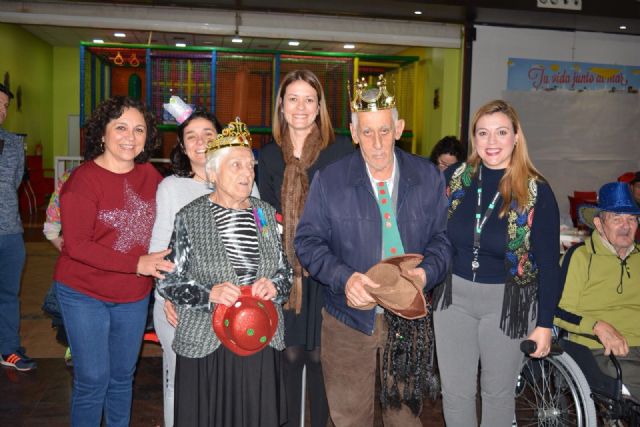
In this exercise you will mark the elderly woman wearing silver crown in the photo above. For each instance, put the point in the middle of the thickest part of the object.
(226, 245)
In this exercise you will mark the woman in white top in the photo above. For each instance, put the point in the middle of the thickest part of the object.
(189, 182)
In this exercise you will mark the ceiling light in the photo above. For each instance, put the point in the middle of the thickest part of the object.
(294, 43)
(417, 12)
(120, 34)
(349, 46)
(236, 40)
(181, 45)
(98, 41)
(623, 27)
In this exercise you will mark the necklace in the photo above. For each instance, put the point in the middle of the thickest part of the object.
(198, 178)
(477, 231)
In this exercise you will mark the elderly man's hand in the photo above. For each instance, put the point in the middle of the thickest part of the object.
(420, 273)
(611, 339)
(357, 296)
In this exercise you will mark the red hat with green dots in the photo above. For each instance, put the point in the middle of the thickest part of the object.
(248, 325)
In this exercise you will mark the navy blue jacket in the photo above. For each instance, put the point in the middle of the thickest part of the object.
(340, 231)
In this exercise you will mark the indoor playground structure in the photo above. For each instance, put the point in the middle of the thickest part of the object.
(234, 82)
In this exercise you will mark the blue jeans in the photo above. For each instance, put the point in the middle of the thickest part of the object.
(105, 340)
(12, 255)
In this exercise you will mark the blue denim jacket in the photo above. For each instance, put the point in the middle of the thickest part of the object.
(340, 230)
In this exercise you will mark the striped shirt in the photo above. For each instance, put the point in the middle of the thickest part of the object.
(239, 236)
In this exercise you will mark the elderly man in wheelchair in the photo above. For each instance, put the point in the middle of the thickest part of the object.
(593, 377)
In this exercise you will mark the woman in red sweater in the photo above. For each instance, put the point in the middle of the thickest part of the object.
(103, 275)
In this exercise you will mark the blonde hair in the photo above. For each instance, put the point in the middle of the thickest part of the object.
(514, 185)
(280, 126)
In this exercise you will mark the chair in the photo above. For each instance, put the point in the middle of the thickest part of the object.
(27, 196)
(587, 196)
(580, 198)
(573, 210)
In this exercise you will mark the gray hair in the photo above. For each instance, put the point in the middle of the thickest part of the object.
(394, 115)
(213, 162)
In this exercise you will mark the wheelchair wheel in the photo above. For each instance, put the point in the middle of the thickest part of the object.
(553, 392)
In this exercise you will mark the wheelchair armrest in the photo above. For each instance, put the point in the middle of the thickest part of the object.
(612, 357)
(599, 382)
(617, 367)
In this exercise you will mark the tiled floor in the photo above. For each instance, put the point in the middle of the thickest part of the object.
(41, 397)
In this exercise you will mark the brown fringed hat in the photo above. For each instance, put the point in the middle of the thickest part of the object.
(399, 292)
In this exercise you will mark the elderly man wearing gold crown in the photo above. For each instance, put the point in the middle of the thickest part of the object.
(377, 203)
(230, 279)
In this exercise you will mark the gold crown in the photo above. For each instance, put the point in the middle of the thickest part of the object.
(371, 98)
(236, 134)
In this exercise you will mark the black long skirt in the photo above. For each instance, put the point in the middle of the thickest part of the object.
(226, 390)
(303, 329)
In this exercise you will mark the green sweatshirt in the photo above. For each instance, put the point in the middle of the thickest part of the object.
(600, 286)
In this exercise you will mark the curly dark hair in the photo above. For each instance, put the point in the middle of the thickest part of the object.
(448, 145)
(112, 109)
(180, 163)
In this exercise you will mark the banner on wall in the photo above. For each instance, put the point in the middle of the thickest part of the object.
(534, 74)
(579, 141)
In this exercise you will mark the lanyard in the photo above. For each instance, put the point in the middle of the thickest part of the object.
(477, 231)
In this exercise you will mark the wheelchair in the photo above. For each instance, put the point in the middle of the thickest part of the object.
(567, 388)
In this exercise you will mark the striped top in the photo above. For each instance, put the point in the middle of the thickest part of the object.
(202, 262)
(239, 236)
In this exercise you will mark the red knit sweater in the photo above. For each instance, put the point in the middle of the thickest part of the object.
(106, 222)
